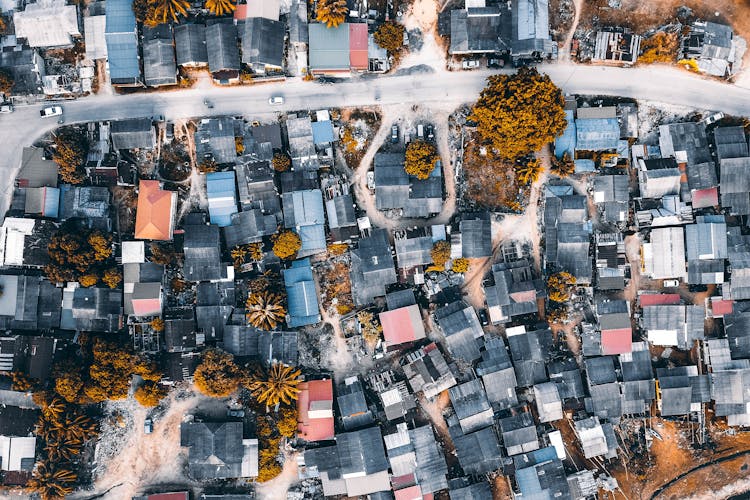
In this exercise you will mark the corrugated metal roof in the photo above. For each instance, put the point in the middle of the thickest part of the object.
(222, 199)
(597, 134)
(301, 295)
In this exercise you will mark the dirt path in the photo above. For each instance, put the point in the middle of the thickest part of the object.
(564, 53)
(277, 487)
(141, 460)
(434, 411)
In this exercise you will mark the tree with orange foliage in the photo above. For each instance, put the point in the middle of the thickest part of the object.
(286, 244)
(217, 375)
(149, 394)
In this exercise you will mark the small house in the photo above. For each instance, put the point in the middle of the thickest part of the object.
(372, 268)
(223, 53)
(218, 450)
(302, 297)
(315, 410)
(155, 212)
(427, 371)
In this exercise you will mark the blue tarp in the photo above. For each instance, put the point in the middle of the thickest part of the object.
(301, 295)
(597, 134)
(566, 143)
(222, 199)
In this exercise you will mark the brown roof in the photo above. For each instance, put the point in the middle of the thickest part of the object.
(155, 215)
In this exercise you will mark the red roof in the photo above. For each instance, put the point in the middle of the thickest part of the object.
(240, 12)
(411, 493)
(180, 495)
(315, 395)
(358, 56)
(154, 218)
(146, 307)
(402, 325)
(617, 341)
(705, 198)
(659, 299)
(721, 307)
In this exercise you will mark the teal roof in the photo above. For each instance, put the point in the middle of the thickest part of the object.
(222, 199)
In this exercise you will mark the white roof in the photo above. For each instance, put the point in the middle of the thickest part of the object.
(556, 440)
(269, 9)
(14, 449)
(133, 252)
(663, 337)
(96, 46)
(47, 23)
(250, 458)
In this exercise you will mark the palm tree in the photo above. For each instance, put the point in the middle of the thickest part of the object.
(332, 12)
(264, 310)
(52, 483)
(63, 449)
(529, 172)
(220, 7)
(76, 427)
(275, 386)
(564, 166)
(53, 408)
(164, 11)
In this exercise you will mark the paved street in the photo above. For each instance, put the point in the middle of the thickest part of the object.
(440, 91)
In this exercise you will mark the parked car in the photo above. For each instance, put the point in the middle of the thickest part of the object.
(169, 132)
(420, 131)
(714, 118)
(495, 63)
(6, 108)
(394, 133)
(148, 426)
(51, 111)
(430, 132)
(275, 100)
(470, 64)
(671, 283)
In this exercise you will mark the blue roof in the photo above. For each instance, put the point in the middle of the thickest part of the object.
(51, 202)
(313, 237)
(585, 165)
(597, 134)
(222, 199)
(322, 132)
(566, 143)
(301, 295)
(122, 41)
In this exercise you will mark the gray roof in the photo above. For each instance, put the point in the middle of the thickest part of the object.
(190, 44)
(340, 211)
(432, 470)
(706, 240)
(479, 31)
(676, 391)
(249, 227)
(530, 351)
(471, 405)
(214, 304)
(737, 328)
(97, 309)
(605, 401)
(476, 235)
(298, 32)
(329, 47)
(23, 64)
(476, 491)
(122, 42)
(391, 181)
(460, 325)
(702, 176)
(202, 253)
(352, 405)
(222, 49)
(215, 450)
(136, 133)
(36, 171)
(268, 347)
(400, 298)
(372, 267)
(636, 365)
(478, 452)
(428, 372)
(514, 293)
(180, 335)
(519, 433)
(731, 142)
(357, 452)
(263, 42)
(215, 139)
(412, 252)
(567, 376)
(689, 137)
(498, 375)
(735, 185)
(256, 187)
(159, 66)
(609, 188)
(530, 23)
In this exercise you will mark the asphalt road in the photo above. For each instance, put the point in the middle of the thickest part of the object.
(444, 90)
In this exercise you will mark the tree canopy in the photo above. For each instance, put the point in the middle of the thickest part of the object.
(6, 81)
(150, 393)
(390, 36)
(421, 158)
(217, 375)
(529, 171)
(560, 285)
(264, 310)
(286, 244)
(281, 162)
(332, 12)
(564, 166)
(460, 265)
(164, 11)
(519, 113)
(440, 253)
(219, 8)
(71, 148)
(78, 254)
(276, 385)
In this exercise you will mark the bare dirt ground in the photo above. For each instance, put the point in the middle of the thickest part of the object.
(277, 487)
(434, 411)
(131, 460)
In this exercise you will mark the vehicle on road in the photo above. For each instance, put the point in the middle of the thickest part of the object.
(51, 111)
(470, 64)
(495, 63)
(208, 104)
(714, 118)
(6, 108)
(394, 133)
(275, 100)
(430, 132)
(148, 426)
(420, 131)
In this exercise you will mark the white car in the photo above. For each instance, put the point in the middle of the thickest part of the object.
(51, 111)
(714, 118)
(470, 64)
(275, 100)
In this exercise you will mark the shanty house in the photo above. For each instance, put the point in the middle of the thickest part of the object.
(372, 268)
(121, 34)
(190, 45)
(315, 420)
(47, 23)
(218, 450)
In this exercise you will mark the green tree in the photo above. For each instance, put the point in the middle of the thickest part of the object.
(332, 12)
(149, 394)
(164, 11)
(390, 36)
(286, 244)
(519, 113)
(421, 158)
(460, 265)
(529, 171)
